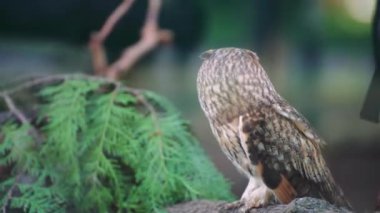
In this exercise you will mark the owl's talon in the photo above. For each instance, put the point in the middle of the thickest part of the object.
(239, 206)
(234, 205)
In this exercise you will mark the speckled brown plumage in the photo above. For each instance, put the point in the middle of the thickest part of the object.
(264, 136)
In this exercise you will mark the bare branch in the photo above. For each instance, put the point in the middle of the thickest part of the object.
(40, 81)
(113, 19)
(24, 120)
(151, 36)
(31, 82)
(9, 194)
(14, 110)
(99, 58)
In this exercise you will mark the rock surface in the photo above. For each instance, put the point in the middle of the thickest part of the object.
(302, 205)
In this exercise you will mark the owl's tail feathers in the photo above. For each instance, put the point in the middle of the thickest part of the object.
(340, 200)
(285, 191)
(334, 194)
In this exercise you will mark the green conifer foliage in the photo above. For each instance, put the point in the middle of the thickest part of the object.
(103, 147)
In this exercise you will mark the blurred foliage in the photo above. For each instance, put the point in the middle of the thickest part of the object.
(341, 28)
(102, 147)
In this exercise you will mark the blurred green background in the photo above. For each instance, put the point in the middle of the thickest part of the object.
(317, 53)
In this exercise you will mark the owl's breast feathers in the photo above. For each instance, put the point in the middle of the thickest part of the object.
(286, 152)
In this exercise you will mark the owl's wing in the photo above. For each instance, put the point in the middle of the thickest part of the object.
(286, 151)
(288, 112)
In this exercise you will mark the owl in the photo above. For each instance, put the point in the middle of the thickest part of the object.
(265, 137)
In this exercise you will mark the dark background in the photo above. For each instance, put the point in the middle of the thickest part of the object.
(317, 53)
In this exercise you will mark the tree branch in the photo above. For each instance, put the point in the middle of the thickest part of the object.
(10, 194)
(14, 110)
(20, 116)
(40, 81)
(151, 36)
(99, 58)
(110, 23)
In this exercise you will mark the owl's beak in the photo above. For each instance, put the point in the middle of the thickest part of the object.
(207, 54)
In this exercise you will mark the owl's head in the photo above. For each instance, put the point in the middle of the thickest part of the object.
(229, 53)
(232, 79)
(231, 65)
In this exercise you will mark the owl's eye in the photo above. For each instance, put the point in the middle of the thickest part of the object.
(207, 54)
